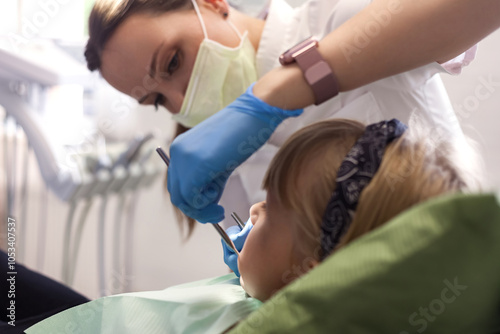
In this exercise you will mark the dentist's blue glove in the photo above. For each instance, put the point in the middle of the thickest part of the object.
(202, 158)
(238, 237)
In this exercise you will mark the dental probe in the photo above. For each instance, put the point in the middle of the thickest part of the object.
(163, 155)
(238, 220)
(217, 227)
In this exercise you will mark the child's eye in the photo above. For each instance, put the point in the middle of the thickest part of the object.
(159, 100)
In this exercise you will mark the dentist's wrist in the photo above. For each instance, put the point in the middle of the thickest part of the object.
(285, 88)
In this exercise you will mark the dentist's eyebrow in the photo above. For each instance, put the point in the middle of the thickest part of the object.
(154, 61)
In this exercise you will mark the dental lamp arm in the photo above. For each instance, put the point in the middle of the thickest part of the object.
(42, 65)
(60, 182)
(418, 33)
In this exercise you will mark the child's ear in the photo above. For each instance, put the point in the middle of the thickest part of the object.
(309, 263)
(220, 6)
(312, 264)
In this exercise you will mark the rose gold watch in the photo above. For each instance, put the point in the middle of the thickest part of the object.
(317, 72)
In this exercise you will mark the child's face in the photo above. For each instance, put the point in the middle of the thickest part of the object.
(267, 258)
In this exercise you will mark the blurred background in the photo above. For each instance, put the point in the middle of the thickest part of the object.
(74, 214)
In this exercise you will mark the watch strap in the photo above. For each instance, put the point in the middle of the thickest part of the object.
(318, 74)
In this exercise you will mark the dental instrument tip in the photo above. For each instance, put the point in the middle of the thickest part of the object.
(238, 220)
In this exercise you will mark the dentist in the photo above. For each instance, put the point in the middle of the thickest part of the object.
(198, 57)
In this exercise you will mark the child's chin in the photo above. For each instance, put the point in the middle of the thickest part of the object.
(242, 283)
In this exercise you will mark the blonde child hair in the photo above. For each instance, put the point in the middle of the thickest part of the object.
(415, 167)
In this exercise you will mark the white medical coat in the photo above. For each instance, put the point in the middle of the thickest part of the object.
(419, 91)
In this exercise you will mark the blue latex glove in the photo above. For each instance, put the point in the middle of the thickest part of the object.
(202, 158)
(238, 237)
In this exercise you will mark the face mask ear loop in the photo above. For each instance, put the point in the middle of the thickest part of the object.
(235, 29)
(197, 10)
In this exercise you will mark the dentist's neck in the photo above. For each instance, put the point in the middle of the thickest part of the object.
(244, 23)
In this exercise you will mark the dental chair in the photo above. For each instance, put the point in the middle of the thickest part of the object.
(434, 269)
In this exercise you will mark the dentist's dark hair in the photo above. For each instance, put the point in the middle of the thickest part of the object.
(107, 15)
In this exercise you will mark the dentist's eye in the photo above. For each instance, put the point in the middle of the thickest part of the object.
(173, 64)
(159, 100)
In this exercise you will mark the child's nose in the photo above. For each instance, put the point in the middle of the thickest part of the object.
(253, 215)
(254, 212)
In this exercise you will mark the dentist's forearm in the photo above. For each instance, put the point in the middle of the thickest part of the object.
(367, 48)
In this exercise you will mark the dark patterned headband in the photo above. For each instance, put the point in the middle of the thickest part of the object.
(355, 172)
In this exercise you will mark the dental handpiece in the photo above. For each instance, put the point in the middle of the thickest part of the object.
(217, 227)
(131, 153)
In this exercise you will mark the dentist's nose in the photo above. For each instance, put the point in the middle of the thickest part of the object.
(174, 96)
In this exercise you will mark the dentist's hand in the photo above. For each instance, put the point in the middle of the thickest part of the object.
(238, 237)
(202, 158)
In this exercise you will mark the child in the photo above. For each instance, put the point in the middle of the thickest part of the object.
(291, 233)
(399, 168)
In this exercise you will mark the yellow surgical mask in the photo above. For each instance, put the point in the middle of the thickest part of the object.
(220, 74)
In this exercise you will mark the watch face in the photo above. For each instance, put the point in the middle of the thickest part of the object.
(288, 56)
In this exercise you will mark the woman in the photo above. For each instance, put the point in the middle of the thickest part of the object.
(155, 52)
